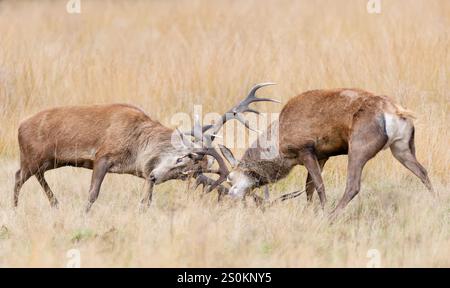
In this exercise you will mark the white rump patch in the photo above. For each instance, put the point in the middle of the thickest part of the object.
(397, 129)
(350, 94)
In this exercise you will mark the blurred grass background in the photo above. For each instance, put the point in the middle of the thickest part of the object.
(166, 56)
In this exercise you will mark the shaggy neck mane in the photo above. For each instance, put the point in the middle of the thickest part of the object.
(267, 170)
(267, 165)
(155, 135)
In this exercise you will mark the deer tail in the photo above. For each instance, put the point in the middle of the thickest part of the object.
(404, 113)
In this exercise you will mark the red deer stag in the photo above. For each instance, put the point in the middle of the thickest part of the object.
(115, 138)
(319, 124)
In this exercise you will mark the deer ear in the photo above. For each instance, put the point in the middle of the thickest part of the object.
(228, 155)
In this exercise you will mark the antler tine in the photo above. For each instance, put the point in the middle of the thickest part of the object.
(184, 141)
(223, 170)
(244, 121)
(251, 97)
(205, 181)
(197, 130)
(202, 180)
(237, 111)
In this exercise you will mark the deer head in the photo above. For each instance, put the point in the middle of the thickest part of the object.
(204, 137)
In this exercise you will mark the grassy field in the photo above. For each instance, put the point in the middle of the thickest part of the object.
(166, 56)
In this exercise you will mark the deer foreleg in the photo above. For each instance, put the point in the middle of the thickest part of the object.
(147, 200)
(100, 169)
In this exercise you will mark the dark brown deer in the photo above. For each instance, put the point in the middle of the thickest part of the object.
(115, 138)
(319, 124)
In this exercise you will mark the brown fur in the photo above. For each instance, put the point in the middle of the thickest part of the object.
(78, 135)
(115, 138)
(320, 124)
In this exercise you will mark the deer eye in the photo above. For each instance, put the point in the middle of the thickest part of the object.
(179, 160)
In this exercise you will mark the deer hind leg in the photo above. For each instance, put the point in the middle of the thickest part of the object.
(22, 175)
(309, 188)
(309, 185)
(403, 150)
(51, 197)
(366, 141)
(314, 171)
(101, 167)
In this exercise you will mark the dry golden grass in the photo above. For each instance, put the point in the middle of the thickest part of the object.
(166, 56)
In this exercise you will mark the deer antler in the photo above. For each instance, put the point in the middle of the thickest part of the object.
(206, 182)
(198, 131)
(207, 139)
(223, 170)
(237, 111)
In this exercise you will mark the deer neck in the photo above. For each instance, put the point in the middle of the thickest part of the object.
(266, 170)
(155, 141)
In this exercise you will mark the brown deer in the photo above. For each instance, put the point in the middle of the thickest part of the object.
(115, 138)
(319, 124)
